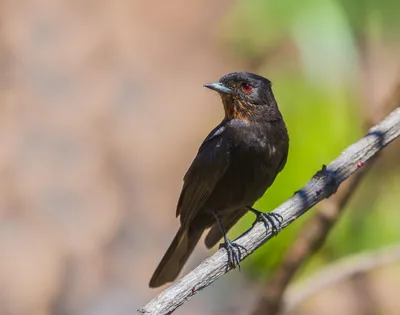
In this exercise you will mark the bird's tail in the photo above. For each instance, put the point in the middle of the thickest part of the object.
(176, 256)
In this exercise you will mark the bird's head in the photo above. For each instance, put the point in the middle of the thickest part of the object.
(246, 96)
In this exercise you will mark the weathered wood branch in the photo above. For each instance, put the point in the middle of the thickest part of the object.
(310, 239)
(322, 185)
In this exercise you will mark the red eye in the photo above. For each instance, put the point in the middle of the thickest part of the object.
(246, 87)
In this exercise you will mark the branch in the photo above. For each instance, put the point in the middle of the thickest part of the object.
(339, 271)
(321, 186)
(310, 240)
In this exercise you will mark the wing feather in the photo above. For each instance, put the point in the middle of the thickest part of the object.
(207, 168)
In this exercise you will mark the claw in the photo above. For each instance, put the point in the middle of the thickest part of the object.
(233, 249)
(234, 253)
(271, 220)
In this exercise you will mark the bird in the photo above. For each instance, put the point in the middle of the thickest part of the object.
(234, 166)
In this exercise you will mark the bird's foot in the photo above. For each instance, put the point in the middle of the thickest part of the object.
(271, 220)
(234, 252)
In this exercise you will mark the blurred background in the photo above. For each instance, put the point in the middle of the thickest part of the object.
(102, 110)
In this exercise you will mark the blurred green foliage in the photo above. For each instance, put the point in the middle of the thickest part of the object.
(318, 95)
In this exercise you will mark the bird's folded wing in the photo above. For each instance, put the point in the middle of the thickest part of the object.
(210, 164)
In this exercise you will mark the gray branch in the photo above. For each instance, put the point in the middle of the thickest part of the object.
(323, 184)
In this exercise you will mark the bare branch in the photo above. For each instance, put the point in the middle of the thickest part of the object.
(321, 186)
(310, 240)
(337, 272)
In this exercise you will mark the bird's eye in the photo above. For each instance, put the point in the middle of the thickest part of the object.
(247, 87)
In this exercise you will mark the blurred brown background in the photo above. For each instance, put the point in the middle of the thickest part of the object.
(102, 110)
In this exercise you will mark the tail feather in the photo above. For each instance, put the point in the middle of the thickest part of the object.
(176, 256)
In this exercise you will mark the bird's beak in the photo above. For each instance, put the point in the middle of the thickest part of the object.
(219, 87)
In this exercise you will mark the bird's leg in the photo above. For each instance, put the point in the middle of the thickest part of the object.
(233, 249)
(271, 220)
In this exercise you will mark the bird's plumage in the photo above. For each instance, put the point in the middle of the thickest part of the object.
(234, 166)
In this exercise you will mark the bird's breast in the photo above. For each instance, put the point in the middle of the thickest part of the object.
(253, 165)
(255, 156)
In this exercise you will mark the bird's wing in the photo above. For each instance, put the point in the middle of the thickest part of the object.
(210, 164)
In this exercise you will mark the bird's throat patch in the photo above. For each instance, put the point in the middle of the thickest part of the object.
(237, 109)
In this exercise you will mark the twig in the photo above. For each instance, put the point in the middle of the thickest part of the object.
(337, 272)
(322, 185)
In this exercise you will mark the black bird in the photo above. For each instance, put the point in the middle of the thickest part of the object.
(234, 166)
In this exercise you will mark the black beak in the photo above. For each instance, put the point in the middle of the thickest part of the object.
(219, 87)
